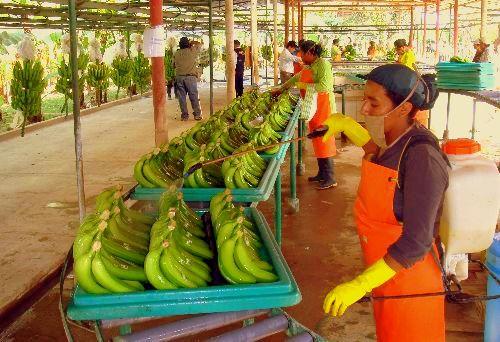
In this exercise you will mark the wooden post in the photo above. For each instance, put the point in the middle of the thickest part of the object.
(424, 34)
(301, 19)
(455, 28)
(293, 21)
(255, 42)
(484, 19)
(77, 127)
(287, 22)
(436, 52)
(410, 38)
(275, 42)
(158, 78)
(299, 12)
(230, 62)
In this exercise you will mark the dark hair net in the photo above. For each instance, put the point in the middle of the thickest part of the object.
(399, 81)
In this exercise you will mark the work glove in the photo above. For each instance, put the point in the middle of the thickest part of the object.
(348, 293)
(339, 123)
(301, 85)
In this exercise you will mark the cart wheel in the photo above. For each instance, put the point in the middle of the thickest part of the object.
(294, 205)
(301, 169)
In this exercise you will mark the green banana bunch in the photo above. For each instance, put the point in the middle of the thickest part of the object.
(98, 78)
(244, 171)
(209, 176)
(110, 246)
(265, 135)
(177, 248)
(64, 82)
(141, 72)
(168, 62)
(238, 243)
(121, 75)
(27, 86)
(158, 169)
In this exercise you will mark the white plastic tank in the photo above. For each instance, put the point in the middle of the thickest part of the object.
(472, 201)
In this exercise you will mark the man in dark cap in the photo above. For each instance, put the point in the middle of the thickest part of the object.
(186, 77)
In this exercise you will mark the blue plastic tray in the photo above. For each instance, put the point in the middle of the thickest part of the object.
(154, 303)
(260, 193)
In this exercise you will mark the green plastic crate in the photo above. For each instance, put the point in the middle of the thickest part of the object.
(155, 303)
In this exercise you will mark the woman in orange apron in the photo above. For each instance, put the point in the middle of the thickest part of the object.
(318, 73)
(399, 202)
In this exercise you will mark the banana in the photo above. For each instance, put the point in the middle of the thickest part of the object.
(229, 178)
(125, 237)
(227, 230)
(135, 215)
(122, 269)
(192, 244)
(189, 264)
(154, 273)
(239, 181)
(173, 270)
(218, 199)
(218, 207)
(186, 222)
(105, 279)
(245, 262)
(123, 250)
(231, 271)
(84, 277)
(139, 176)
(83, 244)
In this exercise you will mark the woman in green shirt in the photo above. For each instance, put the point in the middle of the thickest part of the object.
(317, 76)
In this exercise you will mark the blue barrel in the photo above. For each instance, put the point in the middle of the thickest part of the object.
(492, 322)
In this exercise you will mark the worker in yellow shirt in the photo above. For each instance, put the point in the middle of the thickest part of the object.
(406, 56)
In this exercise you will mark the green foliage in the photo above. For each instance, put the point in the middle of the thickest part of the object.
(141, 72)
(121, 75)
(168, 62)
(9, 38)
(267, 52)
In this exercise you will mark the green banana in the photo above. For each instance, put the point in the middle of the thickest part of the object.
(123, 250)
(139, 176)
(192, 244)
(84, 277)
(231, 271)
(154, 273)
(245, 262)
(121, 268)
(106, 280)
(173, 270)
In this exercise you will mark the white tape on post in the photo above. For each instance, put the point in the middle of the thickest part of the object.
(154, 41)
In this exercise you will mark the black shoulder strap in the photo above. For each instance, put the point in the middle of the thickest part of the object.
(413, 141)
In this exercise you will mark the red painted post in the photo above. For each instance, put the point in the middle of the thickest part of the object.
(455, 28)
(158, 78)
(438, 8)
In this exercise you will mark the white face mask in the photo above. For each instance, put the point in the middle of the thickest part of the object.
(375, 123)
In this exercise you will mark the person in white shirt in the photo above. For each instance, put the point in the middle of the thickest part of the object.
(286, 61)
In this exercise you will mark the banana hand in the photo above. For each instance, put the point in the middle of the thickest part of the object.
(348, 293)
(338, 123)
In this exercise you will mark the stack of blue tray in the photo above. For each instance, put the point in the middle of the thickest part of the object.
(466, 76)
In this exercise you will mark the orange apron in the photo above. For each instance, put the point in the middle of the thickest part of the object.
(321, 149)
(297, 67)
(413, 319)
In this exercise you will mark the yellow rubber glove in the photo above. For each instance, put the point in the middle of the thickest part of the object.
(348, 293)
(338, 123)
(301, 85)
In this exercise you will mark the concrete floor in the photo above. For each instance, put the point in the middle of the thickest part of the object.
(39, 210)
(319, 243)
